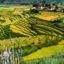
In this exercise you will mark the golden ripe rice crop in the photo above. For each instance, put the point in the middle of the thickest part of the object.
(48, 16)
(44, 52)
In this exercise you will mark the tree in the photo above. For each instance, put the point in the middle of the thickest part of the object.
(1, 1)
(43, 1)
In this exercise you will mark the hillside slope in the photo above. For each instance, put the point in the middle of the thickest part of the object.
(45, 52)
(29, 1)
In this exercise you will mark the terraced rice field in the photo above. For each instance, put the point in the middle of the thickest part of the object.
(36, 34)
(49, 16)
(44, 52)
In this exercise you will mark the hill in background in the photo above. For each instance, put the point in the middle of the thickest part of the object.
(28, 1)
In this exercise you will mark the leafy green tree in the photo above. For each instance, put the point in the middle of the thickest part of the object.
(1, 1)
